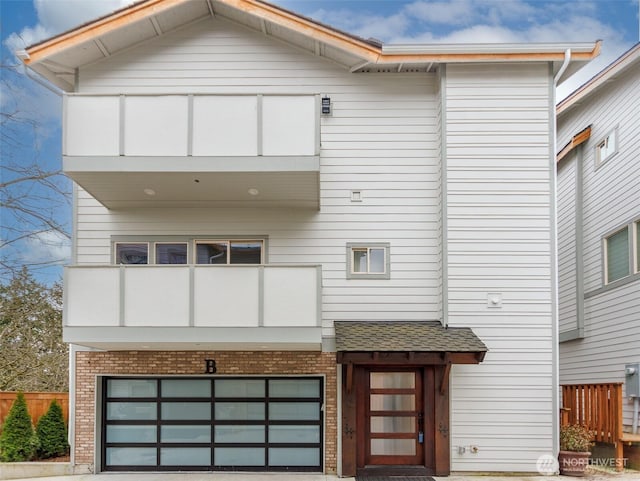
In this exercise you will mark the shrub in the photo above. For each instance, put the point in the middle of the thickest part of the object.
(18, 441)
(575, 438)
(52, 433)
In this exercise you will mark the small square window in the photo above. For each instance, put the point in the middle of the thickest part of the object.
(617, 255)
(606, 148)
(368, 260)
(132, 253)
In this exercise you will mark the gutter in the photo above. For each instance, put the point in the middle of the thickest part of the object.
(24, 56)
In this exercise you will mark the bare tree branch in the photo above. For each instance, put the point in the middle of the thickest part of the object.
(34, 194)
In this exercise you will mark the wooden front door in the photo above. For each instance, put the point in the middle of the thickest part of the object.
(394, 432)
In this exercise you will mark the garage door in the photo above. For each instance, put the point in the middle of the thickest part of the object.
(239, 424)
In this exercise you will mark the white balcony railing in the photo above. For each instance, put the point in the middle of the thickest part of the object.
(192, 296)
(191, 125)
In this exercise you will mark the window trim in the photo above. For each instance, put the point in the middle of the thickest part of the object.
(601, 161)
(633, 236)
(353, 246)
(605, 246)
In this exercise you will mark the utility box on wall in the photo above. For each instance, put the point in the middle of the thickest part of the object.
(632, 380)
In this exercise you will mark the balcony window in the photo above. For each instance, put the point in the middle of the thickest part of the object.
(171, 253)
(229, 252)
(132, 253)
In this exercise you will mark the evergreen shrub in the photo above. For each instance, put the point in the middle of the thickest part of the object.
(18, 441)
(52, 433)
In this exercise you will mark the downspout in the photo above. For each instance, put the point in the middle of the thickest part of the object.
(555, 328)
(636, 407)
(563, 67)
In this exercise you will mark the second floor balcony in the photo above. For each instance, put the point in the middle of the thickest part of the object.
(193, 307)
(194, 150)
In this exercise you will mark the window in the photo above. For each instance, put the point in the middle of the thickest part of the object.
(229, 252)
(368, 260)
(171, 253)
(226, 251)
(606, 148)
(617, 255)
(132, 253)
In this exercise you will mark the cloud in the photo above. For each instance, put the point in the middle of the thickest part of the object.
(455, 12)
(48, 247)
(57, 16)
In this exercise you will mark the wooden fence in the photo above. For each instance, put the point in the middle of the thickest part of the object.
(37, 404)
(599, 408)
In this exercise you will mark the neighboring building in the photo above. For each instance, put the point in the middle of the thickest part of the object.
(296, 249)
(599, 227)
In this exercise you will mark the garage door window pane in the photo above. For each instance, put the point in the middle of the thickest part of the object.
(186, 388)
(294, 457)
(239, 456)
(294, 411)
(294, 388)
(239, 434)
(132, 388)
(131, 457)
(294, 434)
(185, 456)
(131, 434)
(186, 411)
(239, 388)
(239, 411)
(123, 411)
(185, 434)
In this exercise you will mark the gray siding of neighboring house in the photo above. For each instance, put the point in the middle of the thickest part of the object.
(611, 200)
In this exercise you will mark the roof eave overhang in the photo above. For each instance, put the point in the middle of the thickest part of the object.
(438, 358)
(367, 51)
(629, 58)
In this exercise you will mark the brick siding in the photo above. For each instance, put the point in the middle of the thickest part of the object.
(152, 363)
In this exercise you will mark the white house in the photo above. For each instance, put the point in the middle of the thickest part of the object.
(599, 228)
(300, 250)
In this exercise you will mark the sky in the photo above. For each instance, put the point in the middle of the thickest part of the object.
(24, 22)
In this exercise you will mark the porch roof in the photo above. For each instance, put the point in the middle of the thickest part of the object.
(406, 336)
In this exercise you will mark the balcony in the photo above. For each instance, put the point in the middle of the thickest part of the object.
(194, 150)
(193, 307)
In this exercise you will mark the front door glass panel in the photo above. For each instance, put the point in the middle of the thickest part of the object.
(393, 418)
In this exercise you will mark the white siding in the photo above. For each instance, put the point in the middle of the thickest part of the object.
(611, 200)
(381, 140)
(499, 233)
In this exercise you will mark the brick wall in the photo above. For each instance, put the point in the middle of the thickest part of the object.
(92, 364)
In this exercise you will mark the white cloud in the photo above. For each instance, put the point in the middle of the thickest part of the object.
(57, 16)
(49, 247)
(454, 12)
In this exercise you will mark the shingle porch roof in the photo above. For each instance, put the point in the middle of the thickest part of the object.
(401, 336)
